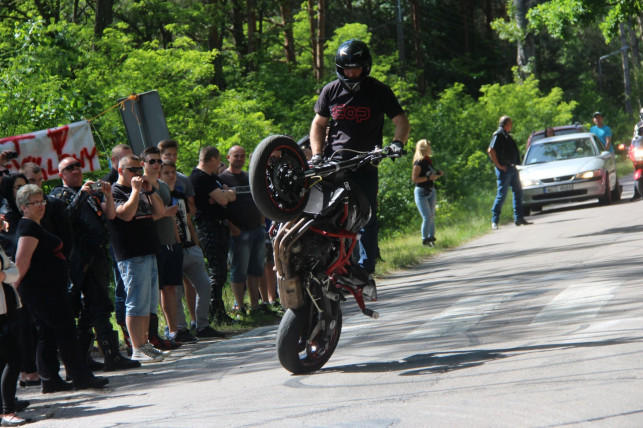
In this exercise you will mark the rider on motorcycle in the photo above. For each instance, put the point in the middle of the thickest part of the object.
(357, 104)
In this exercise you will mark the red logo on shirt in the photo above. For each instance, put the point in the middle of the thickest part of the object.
(358, 114)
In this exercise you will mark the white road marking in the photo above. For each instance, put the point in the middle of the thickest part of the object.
(578, 302)
(460, 317)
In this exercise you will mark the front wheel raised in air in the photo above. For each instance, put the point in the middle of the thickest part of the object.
(298, 352)
(277, 181)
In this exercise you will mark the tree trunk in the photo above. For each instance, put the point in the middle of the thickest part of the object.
(634, 44)
(626, 69)
(321, 37)
(237, 29)
(417, 46)
(215, 41)
(526, 51)
(289, 39)
(317, 36)
(252, 29)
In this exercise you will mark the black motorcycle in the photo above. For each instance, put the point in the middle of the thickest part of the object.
(317, 214)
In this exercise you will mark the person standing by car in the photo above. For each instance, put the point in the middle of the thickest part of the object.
(423, 175)
(357, 104)
(602, 131)
(505, 155)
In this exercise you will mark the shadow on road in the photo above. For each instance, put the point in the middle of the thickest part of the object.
(443, 362)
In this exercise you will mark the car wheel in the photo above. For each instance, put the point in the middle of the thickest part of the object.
(537, 208)
(618, 190)
(606, 199)
(526, 211)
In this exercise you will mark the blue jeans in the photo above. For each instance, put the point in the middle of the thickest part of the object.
(141, 278)
(505, 180)
(367, 180)
(425, 201)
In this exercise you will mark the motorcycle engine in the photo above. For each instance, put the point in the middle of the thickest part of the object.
(312, 253)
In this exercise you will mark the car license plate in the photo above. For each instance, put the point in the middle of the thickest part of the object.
(559, 188)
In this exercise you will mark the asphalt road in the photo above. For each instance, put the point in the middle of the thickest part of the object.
(530, 326)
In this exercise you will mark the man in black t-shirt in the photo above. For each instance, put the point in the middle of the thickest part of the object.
(247, 233)
(135, 243)
(357, 104)
(504, 154)
(211, 198)
(118, 152)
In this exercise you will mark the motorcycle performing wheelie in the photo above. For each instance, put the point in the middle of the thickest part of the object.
(317, 215)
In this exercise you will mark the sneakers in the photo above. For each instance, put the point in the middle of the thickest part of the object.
(428, 241)
(494, 226)
(208, 333)
(12, 420)
(163, 344)
(184, 336)
(147, 354)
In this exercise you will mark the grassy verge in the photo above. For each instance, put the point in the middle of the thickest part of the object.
(456, 223)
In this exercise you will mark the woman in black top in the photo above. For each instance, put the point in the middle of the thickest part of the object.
(43, 289)
(423, 175)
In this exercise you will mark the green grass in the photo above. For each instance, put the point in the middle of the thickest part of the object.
(455, 225)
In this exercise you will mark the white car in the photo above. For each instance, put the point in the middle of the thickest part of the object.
(568, 168)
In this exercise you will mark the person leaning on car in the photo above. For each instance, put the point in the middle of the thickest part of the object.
(505, 155)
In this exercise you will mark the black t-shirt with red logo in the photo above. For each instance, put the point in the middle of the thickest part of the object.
(357, 117)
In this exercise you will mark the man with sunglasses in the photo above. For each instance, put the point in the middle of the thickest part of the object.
(88, 206)
(169, 256)
(135, 243)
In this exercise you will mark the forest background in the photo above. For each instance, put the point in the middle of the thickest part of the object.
(235, 71)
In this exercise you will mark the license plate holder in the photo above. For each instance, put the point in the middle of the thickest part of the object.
(558, 188)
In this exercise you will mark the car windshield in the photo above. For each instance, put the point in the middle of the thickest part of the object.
(560, 150)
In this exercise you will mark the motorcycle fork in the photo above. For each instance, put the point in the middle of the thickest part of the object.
(324, 320)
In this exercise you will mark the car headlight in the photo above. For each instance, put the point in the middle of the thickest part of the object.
(528, 182)
(587, 175)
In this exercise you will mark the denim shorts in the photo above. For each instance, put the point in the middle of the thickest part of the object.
(140, 277)
(247, 254)
(170, 265)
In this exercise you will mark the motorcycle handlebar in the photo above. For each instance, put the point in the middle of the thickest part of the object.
(330, 167)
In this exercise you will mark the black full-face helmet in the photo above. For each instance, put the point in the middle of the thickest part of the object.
(353, 54)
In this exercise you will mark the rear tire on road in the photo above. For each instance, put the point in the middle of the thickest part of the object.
(606, 199)
(618, 190)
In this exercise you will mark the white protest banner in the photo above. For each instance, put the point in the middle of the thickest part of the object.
(46, 148)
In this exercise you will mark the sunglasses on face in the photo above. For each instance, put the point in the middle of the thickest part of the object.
(154, 161)
(72, 166)
(134, 169)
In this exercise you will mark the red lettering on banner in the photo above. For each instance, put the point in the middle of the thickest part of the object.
(16, 139)
(58, 138)
(84, 154)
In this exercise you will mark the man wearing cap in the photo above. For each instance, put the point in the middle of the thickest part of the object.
(603, 132)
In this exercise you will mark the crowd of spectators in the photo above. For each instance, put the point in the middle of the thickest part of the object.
(59, 253)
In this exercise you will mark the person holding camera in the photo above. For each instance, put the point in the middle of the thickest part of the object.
(423, 175)
(89, 205)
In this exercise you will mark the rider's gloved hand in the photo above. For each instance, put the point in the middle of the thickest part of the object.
(316, 160)
(396, 148)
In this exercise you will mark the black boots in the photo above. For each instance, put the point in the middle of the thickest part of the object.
(85, 341)
(113, 358)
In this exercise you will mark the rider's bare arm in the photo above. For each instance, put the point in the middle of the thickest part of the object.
(318, 134)
(402, 128)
